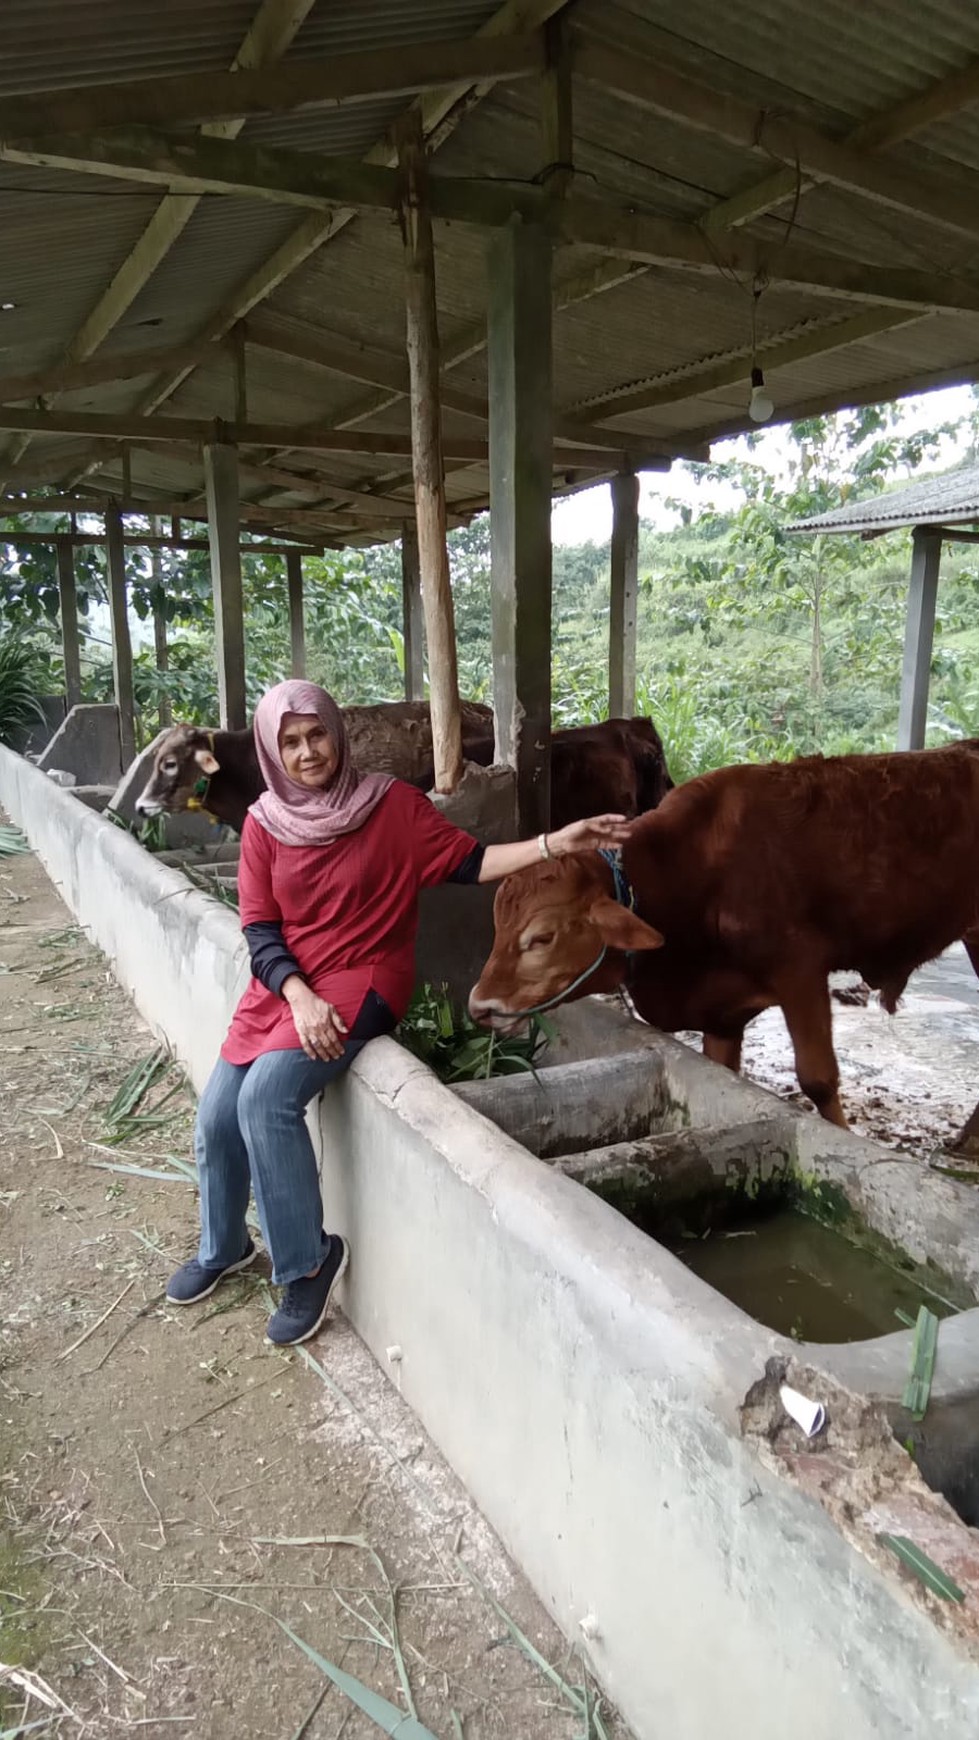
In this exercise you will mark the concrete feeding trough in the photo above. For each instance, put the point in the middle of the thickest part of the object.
(619, 1421)
(810, 1232)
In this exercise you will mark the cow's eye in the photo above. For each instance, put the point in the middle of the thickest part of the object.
(170, 765)
(542, 940)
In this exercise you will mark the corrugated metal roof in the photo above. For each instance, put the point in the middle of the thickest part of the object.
(951, 500)
(829, 62)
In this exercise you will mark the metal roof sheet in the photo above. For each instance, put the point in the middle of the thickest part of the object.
(831, 63)
(951, 500)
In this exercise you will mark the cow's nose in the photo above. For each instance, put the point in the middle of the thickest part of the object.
(483, 1009)
(146, 807)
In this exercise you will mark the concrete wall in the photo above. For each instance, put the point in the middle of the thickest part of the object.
(583, 1383)
(87, 745)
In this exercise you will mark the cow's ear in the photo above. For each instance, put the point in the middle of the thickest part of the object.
(206, 762)
(621, 929)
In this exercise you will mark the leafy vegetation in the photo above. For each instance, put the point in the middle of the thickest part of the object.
(21, 685)
(453, 1046)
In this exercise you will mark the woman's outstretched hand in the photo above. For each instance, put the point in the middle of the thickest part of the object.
(589, 835)
(586, 836)
(321, 1032)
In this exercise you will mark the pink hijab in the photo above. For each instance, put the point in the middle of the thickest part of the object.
(310, 818)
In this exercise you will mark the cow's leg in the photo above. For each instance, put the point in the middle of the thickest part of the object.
(809, 1019)
(725, 1051)
(967, 1140)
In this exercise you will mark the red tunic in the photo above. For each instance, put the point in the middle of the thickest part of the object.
(349, 912)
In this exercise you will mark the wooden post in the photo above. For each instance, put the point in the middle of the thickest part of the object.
(520, 418)
(426, 453)
(557, 127)
(221, 477)
(122, 654)
(412, 616)
(70, 647)
(297, 625)
(164, 710)
(624, 597)
(919, 635)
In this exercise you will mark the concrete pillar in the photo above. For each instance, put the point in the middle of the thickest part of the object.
(520, 444)
(71, 650)
(919, 635)
(624, 597)
(412, 616)
(122, 654)
(297, 623)
(221, 478)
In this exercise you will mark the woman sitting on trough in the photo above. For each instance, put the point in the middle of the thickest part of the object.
(332, 862)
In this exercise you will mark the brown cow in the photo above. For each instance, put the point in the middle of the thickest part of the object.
(751, 885)
(617, 766)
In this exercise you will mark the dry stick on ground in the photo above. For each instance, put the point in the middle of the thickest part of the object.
(98, 1324)
(143, 1311)
(149, 1498)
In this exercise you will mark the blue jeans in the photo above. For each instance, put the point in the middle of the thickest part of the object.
(251, 1133)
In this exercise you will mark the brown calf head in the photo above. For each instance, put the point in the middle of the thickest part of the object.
(183, 756)
(552, 923)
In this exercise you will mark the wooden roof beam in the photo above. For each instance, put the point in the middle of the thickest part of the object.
(309, 437)
(297, 178)
(943, 98)
(100, 371)
(439, 111)
(272, 30)
(650, 86)
(266, 90)
(927, 381)
(391, 375)
(772, 353)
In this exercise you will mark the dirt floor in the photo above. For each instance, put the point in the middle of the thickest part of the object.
(173, 1491)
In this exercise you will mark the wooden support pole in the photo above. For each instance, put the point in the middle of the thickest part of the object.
(161, 649)
(122, 653)
(297, 622)
(557, 127)
(68, 599)
(926, 556)
(221, 477)
(411, 606)
(624, 596)
(520, 411)
(426, 453)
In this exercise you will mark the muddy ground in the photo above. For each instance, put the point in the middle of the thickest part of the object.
(171, 1486)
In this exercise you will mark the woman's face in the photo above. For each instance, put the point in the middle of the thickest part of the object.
(309, 754)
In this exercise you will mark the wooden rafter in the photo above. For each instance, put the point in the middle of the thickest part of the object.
(272, 30)
(928, 381)
(439, 112)
(302, 436)
(265, 90)
(390, 374)
(803, 149)
(943, 98)
(773, 353)
(100, 371)
(297, 178)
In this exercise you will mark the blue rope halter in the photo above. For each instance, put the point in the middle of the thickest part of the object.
(625, 895)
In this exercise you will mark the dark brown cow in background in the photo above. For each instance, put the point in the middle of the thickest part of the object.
(616, 766)
(752, 885)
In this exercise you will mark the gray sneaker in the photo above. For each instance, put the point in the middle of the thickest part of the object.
(304, 1302)
(192, 1281)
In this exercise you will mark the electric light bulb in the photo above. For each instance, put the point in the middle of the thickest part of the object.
(760, 405)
